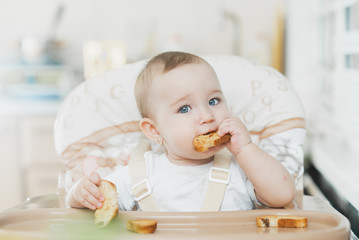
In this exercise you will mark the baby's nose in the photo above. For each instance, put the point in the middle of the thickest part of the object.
(206, 116)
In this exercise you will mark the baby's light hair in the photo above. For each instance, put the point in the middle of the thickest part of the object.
(158, 65)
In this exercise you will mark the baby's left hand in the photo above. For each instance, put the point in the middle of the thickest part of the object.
(240, 136)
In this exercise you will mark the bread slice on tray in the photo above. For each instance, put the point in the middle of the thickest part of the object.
(281, 221)
(109, 209)
(143, 226)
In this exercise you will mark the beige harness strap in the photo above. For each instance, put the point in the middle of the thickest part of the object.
(219, 177)
(141, 189)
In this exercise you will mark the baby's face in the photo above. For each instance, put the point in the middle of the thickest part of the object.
(187, 101)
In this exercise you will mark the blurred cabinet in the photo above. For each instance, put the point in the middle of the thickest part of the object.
(30, 166)
(40, 163)
(11, 191)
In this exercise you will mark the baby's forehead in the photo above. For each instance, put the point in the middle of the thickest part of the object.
(204, 66)
(189, 78)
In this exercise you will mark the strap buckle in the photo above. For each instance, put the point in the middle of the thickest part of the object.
(141, 189)
(219, 175)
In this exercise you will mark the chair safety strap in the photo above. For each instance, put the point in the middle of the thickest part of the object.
(219, 177)
(141, 188)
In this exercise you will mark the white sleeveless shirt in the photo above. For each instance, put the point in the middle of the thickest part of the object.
(182, 188)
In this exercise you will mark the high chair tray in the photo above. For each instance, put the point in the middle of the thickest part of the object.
(62, 223)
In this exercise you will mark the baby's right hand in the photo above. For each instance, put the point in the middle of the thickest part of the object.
(86, 194)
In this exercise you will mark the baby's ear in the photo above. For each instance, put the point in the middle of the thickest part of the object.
(149, 129)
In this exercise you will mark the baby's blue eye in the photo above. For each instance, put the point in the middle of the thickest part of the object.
(213, 101)
(184, 109)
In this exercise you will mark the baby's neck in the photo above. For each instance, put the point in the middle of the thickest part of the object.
(188, 162)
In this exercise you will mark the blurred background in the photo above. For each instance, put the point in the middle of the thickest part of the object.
(47, 47)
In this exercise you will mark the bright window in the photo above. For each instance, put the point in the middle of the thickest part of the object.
(323, 63)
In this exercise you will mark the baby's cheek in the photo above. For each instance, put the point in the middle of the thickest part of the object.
(184, 142)
(226, 113)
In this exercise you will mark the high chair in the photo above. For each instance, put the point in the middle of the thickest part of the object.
(97, 127)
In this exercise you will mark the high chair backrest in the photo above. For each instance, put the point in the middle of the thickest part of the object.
(98, 123)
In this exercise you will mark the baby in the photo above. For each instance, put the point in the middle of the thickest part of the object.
(179, 97)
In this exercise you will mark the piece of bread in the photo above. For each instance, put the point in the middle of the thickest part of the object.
(281, 221)
(203, 142)
(109, 209)
(143, 226)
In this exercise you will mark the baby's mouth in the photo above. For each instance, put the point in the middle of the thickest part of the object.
(208, 133)
(203, 142)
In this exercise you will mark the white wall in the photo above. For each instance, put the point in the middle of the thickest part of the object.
(147, 27)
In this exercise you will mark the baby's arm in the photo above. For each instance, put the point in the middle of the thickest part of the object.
(86, 194)
(273, 184)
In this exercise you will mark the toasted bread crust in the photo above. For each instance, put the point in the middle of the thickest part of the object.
(144, 226)
(109, 209)
(203, 142)
(281, 221)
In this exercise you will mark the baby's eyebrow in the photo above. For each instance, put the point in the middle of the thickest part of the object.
(217, 91)
(179, 100)
(187, 95)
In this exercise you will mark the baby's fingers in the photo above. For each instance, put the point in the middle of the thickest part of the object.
(95, 178)
(94, 191)
(92, 187)
(88, 200)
